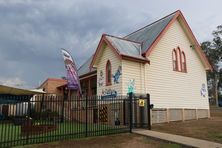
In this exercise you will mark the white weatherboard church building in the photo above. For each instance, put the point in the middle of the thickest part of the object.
(163, 59)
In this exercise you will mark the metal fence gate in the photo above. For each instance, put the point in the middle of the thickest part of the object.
(45, 118)
(139, 107)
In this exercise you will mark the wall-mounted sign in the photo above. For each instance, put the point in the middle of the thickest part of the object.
(141, 102)
(108, 93)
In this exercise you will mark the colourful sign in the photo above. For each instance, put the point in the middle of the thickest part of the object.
(141, 102)
(72, 76)
(108, 93)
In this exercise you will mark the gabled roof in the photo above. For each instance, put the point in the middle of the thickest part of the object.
(126, 47)
(140, 43)
(123, 48)
(136, 44)
(148, 34)
(151, 34)
(85, 67)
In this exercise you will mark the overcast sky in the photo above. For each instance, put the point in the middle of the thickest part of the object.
(32, 32)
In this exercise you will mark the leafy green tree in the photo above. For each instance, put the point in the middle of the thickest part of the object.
(213, 50)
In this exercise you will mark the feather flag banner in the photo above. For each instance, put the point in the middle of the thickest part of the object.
(72, 75)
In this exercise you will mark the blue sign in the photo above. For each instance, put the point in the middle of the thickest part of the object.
(108, 94)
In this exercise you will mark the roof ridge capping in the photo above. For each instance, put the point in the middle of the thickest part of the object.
(121, 38)
(177, 11)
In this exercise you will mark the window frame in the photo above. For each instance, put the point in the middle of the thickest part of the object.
(179, 64)
(175, 61)
(108, 72)
(179, 60)
(183, 62)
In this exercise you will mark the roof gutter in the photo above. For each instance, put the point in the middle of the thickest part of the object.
(131, 58)
(92, 73)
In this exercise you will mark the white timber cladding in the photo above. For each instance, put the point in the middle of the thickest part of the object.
(105, 55)
(167, 88)
(172, 89)
(133, 71)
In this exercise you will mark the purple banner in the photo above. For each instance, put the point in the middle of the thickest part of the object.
(72, 75)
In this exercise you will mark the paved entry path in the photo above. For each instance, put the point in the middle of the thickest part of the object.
(188, 141)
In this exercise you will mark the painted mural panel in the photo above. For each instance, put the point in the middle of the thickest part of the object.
(117, 75)
(101, 78)
(203, 90)
(116, 68)
(131, 86)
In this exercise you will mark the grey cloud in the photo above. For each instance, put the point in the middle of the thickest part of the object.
(32, 32)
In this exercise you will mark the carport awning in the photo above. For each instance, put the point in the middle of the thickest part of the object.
(12, 95)
(18, 91)
(13, 99)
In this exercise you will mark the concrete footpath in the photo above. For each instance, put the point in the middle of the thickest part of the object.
(188, 141)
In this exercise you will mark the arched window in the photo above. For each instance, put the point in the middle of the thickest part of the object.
(183, 61)
(178, 51)
(175, 61)
(108, 73)
(179, 60)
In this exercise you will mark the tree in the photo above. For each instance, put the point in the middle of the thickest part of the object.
(213, 50)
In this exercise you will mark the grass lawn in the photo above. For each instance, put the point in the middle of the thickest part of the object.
(66, 130)
(207, 129)
(112, 141)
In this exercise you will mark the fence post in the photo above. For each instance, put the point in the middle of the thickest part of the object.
(63, 104)
(86, 132)
(141, 108)
(124, 110)
(148, 111)
(41, 103)
(29, 108)
(130, 111)
(28, 120)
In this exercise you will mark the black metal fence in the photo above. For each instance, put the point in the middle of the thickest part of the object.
(45, 118)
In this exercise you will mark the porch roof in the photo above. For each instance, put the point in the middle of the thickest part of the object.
(85, 67)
